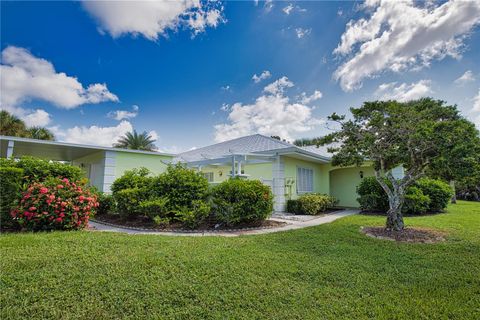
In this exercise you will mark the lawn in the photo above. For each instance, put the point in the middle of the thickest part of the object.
(325, 272)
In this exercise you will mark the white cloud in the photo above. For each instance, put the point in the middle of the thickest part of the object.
(403, 92)
(226, 88)
(398, 35)
(26, 77)
(271, 114)
(465, 78)
(36, 118)
(476, 110)
(476, 102)
(306, 99)
(301, 32)
(93, 135)
(225, 107)
(288, 9)
(264, 75)
(278, 86)
(124, 114)
(154, 18)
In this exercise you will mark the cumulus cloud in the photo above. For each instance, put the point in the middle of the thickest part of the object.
(264, 75)
(465, 78)
(268, 5)
(301, 32)
(476, 109)
(306, 99)
(26, 77)
(36, 118)
(93, 135)
(124, 114)
(271, 114)
(154, 18)
(401, 35)
(403, 92)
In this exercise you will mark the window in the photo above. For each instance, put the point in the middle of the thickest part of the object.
(208, 176)
(304, 180)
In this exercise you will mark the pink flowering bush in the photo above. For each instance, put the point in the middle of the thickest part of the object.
(55, 205)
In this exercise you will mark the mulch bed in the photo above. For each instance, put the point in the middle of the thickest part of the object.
(145, 223)
(417, 235)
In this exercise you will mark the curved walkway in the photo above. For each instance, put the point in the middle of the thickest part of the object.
(292, 223)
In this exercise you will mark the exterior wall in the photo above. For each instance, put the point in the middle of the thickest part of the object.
(261, 171)
(344, 182)
(128, 161)
(94, 168)
(320, 176)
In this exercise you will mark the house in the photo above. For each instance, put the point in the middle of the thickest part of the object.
(289, 170)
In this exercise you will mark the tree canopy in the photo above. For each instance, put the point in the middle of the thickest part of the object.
(415, 134)
(136, 141)
(11, 125)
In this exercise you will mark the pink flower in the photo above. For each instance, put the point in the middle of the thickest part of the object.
(60, 186)
(61, 215)
(32, 208)
(81, 198)
(58, 220)
(43, 190)
(65, 180)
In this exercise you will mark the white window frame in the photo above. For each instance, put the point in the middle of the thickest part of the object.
(305, 180)
(209, 176)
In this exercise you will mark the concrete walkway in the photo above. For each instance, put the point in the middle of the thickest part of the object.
(291, 224)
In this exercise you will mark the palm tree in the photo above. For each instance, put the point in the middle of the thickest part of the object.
(39, 133)
(10, 125)
(133, 140)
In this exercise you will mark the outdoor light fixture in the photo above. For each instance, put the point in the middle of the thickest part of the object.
(361, 174)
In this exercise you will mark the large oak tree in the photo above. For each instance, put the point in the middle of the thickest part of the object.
(414, 134)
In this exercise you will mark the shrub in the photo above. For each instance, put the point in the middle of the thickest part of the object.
(10, 192)
(416, 202)
(181, 185)
(293, 206)
(426, 195)
(438, 191)
(193, 215)
(372, 196)
(129, 200)
(157, 207)
(55, 204)
(313, 203)
(135, 178)
(38, 170)
(106, 203)
(237, 201)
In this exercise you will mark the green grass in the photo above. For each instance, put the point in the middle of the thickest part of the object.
(325, 272)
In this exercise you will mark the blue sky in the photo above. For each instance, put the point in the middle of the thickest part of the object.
(184, 72)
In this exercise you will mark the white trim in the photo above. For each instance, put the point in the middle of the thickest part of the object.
(86, 146)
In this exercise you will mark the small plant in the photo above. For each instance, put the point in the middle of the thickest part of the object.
(161, 222)
(106, 203)
(128, 201)
(438, 191)
(314, 203)
(416, 202)
(135, 178)
(55, 204)
(293, 206)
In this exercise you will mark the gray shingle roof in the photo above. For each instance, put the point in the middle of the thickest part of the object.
(247, 144)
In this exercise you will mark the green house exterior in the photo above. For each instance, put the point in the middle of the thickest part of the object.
(289, 170)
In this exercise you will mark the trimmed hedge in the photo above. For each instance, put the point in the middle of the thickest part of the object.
(425, 196)
(237, 201)
(10, 193)
(314, 203)
(38, 170)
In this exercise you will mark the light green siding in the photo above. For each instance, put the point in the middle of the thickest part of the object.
(261, 171)
(127, 161)
(320, 176)
(344, 182)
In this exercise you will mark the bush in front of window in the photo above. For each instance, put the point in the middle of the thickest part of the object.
(238, 201)
(315, 203)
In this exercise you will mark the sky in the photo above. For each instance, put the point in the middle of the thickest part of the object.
(192, 73)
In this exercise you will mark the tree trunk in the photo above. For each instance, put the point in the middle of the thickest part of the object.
(394, 214)
(454, 196)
